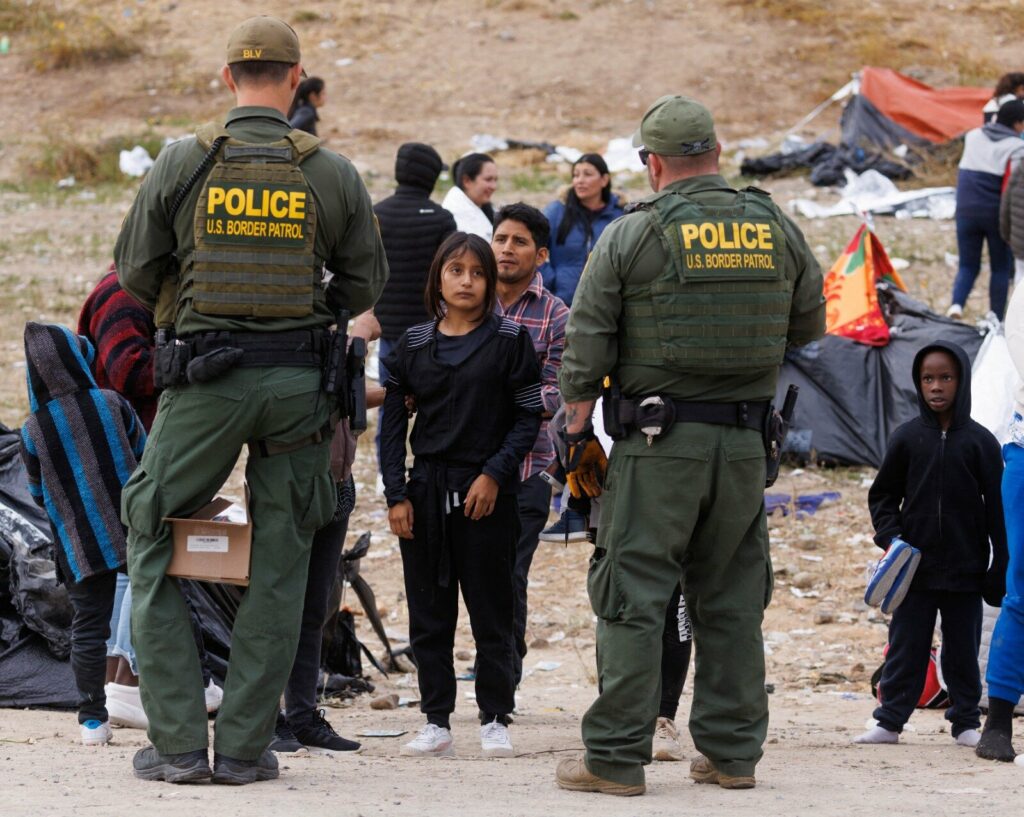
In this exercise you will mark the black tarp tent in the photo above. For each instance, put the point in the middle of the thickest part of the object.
(853, 396)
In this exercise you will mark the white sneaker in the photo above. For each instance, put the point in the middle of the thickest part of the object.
(666, 741)
(432, 741)
(955, 311)
(124, 706)
(95, 733)
(495, 740)
(214, 696)
(969, 737)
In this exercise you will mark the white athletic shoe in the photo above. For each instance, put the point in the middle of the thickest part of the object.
(495, 740)
(124, 706)
(432, 741)
(95, 733)
(877, 734)
(969, 737)
(214, 696)
(666, 741)
(955, 311)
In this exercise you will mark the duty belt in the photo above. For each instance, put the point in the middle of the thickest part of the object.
(302, 347)
(655, 415)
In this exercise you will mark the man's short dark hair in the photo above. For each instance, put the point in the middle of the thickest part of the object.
(530, 217)
(1010, 113)
(259, 72)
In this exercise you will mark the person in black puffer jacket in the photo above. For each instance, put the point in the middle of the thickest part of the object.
(412, 227)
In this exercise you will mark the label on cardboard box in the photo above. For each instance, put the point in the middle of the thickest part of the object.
(207, 544)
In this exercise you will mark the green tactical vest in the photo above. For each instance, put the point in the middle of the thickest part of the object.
(722, 303)
(254, 227)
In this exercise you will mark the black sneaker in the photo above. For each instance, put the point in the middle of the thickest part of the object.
(284, 740)
(188, 767)
(317, 733)
(231, 772)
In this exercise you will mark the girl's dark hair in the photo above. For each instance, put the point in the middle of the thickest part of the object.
(575, 212)
(1008, 83)
(470, 165)
(455, 245)
(310, 85)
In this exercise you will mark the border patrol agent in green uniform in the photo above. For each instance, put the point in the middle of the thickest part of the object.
(690, 301)
(245, 241)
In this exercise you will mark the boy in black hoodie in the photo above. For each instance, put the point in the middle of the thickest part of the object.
(939, 489)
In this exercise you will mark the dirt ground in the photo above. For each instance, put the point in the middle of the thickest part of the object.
(574, 73)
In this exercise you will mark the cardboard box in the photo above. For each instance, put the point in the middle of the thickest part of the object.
(212, 550)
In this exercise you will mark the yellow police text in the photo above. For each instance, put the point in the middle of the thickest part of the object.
(717, 235)
(730, 260)
(253, 229)
(237, 201)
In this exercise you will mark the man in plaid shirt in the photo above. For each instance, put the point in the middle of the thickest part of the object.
(520, 244)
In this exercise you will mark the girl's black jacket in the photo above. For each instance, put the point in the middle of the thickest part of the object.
(481, 416)
(940, 491)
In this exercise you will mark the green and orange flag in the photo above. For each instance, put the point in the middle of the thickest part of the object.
(851, 302)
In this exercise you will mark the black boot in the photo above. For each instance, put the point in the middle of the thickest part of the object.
(995, 743)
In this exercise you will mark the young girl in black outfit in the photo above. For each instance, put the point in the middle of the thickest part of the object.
(476, 384)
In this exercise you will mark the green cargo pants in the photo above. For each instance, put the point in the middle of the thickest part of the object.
(195, 441)
(691, 505)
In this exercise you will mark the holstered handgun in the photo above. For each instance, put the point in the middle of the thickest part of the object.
(355, 370)
(170, 359)
(335, 359)
(775, 429)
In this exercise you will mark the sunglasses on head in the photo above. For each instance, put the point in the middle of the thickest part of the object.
(644, 153)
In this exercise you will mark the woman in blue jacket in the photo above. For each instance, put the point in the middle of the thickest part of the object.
(588, 207)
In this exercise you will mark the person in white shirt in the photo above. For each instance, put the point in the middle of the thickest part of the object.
(476, 179)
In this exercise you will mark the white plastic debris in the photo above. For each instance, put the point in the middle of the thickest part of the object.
(67, 181)
(486, 142)
(344, 62)
(135, 162)
(548, 666)
(620, 155)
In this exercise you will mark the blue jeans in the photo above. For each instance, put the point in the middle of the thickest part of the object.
(120, 642)
(383, 350)
(973, 229)
(1005, 674)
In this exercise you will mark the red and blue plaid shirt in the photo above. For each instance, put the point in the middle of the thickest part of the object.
(544, 316)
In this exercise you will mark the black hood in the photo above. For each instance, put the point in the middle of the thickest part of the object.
(418, 165)
(962, 401)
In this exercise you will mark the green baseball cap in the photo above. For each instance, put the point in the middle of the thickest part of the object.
(676, 126)
(263, 38)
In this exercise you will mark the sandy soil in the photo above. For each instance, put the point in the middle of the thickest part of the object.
(575, 73)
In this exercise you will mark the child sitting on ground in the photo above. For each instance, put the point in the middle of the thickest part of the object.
(939, 489)
(80, 444)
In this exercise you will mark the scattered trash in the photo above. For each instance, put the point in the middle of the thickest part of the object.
(872, 192)
(470, 696)
(402, 702)
(487, 143)
(5, 45)
(548, 666)
(466, 676)
(801, 594)
(804, 505)
(135, 162)
(344, 62)
(67, 181)
(620, 155)
(556, 637)
(328, 44)
(381, 733)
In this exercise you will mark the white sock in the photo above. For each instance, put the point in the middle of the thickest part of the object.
(877, 735)
(969, 737)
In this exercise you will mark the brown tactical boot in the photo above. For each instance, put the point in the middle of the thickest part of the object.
(702, 770)
(573, 774)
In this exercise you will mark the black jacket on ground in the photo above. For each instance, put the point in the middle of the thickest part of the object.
(412, 227)
(940, 491)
